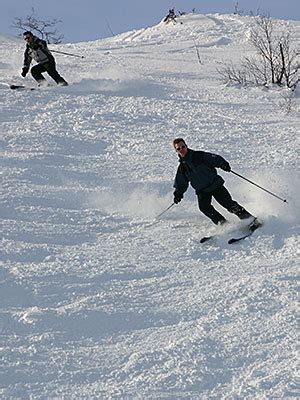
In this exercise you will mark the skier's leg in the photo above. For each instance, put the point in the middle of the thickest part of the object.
(204, 203)
(36, 72)
(224, 198)
(51, 70)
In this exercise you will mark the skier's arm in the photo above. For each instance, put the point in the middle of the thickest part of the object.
(26, 64)
(181, 183)
(216, 161)
(27, 59)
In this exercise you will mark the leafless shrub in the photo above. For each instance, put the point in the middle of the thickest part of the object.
(275, 61)
(231, 74)
(256, 70)
(45, 29)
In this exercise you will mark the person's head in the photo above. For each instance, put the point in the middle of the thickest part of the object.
(27, 36)
(180, 147)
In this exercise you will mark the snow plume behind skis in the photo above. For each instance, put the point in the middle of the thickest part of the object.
(98, 299)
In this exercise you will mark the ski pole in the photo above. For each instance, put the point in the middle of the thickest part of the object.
(107, 23)
(159, 215)
(255, 184)
(67, 54)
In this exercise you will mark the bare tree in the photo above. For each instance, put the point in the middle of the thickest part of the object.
(46, 29)
(275, 52)
(289, 64)
(274, 62)
(266, 45)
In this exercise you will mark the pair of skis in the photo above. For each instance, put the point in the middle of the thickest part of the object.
(23, 87)
(250, 229)
(18, 87)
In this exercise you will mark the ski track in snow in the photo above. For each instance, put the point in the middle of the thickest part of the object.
(98, 299)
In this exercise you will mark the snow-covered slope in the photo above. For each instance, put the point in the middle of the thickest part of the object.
(96, 300)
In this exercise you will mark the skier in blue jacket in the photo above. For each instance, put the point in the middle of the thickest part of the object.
(199, 169)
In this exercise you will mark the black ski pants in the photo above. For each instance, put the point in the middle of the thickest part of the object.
(50, 68)
(223, 197)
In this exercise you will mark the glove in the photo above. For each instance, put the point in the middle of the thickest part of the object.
(177, 197)
(226, 167)
(24, 71)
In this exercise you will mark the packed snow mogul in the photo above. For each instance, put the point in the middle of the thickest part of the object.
(37, 49)
(199, 169)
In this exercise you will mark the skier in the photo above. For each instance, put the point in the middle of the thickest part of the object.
(199, 169)
(171, 16)
(37, 49)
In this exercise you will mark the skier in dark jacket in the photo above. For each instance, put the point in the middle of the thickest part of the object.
(171, 16)
(199, 169)
(37, 49)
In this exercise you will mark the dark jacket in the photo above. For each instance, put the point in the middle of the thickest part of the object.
(37, 49)
(199, 168)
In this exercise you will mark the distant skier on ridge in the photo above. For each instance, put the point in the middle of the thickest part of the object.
(199, 169)
(37, 49)
(171, 16)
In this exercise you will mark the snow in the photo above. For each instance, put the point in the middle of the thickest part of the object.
(98, 298)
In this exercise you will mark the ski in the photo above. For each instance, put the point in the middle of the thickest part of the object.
(211, 237)
(249, 231)
(16, 87)
(252, 228)
(207, 238)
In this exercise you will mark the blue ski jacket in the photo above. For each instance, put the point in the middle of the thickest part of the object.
(199, 169)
